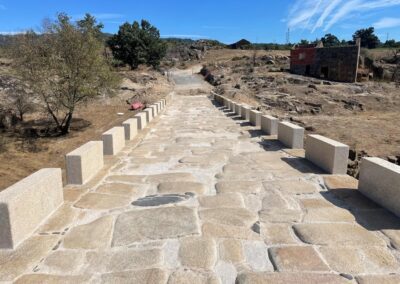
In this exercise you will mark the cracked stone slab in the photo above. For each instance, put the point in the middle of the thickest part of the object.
(154, 224)
(346, 188)
(285, 278)
(226, 231)
(192, 277)
(204, 160)
(99, 201)
(231, 250)
(60, 220)
(297, 259)
(226, 272)
(337, 234)
(229, 216)
(123, 189)
(238, 186)
(223, 200)
(278, 234)
(14, 262)
(53, 279)
(292, 186)
(318, 210)
(282, 215)
(171, 177)
(64, 262)
(182, 187)
(122, 260)
(153, 276)
(126, 178)
(360, 260)
(256, 254)
(198, 253)
(382, 279)
(95, 235)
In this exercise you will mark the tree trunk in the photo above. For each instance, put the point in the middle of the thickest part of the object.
(67, 125)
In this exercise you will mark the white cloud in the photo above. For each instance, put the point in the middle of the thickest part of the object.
(317, 14)
(11, 33)
(387, 23)
(328, 10)
(184, 36)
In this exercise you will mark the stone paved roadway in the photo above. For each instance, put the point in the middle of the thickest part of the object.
(203, 198)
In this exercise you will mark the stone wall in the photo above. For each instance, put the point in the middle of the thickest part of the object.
(331, 63)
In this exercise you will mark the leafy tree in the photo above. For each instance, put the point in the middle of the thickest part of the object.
(64, 65)
(304, 42)
(138, 44)
(344, 42)
(368, 38)
(391, 43)
(330, 40)
(89, 25)
(22, 103)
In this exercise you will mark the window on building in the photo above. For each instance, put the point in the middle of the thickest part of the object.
(302, 56)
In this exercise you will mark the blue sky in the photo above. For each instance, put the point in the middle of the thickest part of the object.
(225, 20)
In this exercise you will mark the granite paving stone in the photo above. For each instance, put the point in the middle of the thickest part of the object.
(199, 197)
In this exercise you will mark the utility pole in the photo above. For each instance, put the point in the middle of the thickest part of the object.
(288, 36)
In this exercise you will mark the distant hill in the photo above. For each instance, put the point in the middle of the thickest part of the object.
(241, 44)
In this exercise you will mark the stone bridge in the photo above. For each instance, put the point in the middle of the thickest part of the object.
(202, 196)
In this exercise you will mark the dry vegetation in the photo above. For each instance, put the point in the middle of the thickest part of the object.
(363, 115)
(22, 152)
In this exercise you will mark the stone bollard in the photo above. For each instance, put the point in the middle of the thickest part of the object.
(113, 140)
(84, 163)
(141, 118)
(291, 135)
(327, 154)
(255, 118)
(25, 205)
(131, 128)
(226, 102)
(149, 114)
(269, 124)
(154, 109)
(232, 106)
(219, 99)
(230, 103)
(238, 108)
(245, 112)
(158, 104)
(380, 181)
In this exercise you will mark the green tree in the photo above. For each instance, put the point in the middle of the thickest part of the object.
(330, 40)
(138, 44)
(391, 43)
(89, 25)
(368, 38)
(65, 66)
(304, 42)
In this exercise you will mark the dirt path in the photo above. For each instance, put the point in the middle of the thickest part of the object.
(202, 197)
